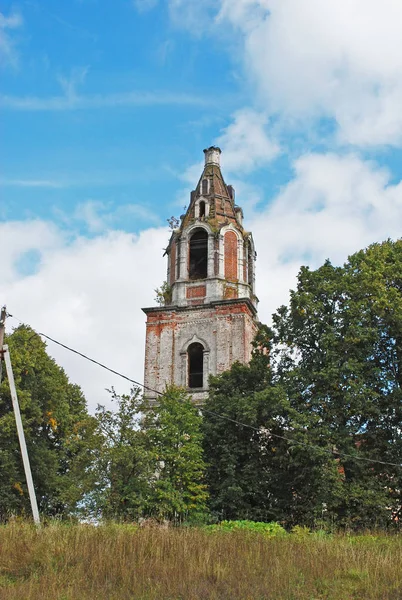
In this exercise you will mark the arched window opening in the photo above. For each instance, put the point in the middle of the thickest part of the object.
(250, 257)
(198, 265)
(202, 209)
(195, 365)
(204, 187)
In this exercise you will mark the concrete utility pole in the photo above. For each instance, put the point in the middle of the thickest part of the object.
(5, 355)
(3, 316)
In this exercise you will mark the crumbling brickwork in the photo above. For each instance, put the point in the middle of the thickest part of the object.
(231, 256)
(225, 330)
(198, 291)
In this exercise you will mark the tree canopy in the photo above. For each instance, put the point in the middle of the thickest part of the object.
(333, 394)
(339, 355)
(152, 458)
(58, 430)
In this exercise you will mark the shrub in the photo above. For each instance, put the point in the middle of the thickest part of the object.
(267, 529)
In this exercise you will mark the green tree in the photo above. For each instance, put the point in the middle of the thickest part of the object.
(58, 429)
(125, 465)
(339, 355)
(174, 439)
(254, 471)
(151, 461)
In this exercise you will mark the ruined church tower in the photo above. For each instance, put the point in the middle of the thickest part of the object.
(208, 320)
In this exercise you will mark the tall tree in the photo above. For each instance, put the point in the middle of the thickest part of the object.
(125, 466)
(173, 430)
(258, 465)
(339, 355)
(151, 461)
(58, 429)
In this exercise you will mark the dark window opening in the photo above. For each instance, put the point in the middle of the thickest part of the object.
(195, 365)
(250, 266)
(204, 187)
(198, 264)
(178, 245)
(202, 209)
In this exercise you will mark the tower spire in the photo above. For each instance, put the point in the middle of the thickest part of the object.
(208, 320)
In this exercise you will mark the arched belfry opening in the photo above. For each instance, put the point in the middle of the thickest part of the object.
(202, 209)
(198, 261)
(250, 260)
(195, 354)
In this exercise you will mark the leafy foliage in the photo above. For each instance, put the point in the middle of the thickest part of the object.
(58, 430)
(163, 294)
(322, 393)
(284, 439)
(173, 431)
(124, 466)
(254, 472)
(267, 529)
(339, 356)
(152, 460)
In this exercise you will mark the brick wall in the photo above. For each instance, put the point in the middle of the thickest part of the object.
(198, 291)
(230, 292)
(231, 256)
(226, 330)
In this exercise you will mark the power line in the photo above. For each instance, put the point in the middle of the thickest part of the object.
(299, 443)
(96, 362)
(223, 417)
(99, 364)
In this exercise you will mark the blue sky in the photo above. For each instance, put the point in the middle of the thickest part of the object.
(104, 102)
(106, 108)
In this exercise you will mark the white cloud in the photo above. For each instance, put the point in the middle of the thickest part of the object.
(87, 294)
(192, 14)
(244, 13)
(35, 183)
(246, 145)
(245, 142)
(333, 207)
(69, 84)
(18, 237)
(338, 59)
(99, 216)
(96, 101)
(90, 214)
(145, 5)
(8, 54)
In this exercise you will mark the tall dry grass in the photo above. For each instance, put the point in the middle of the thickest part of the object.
(115, 562)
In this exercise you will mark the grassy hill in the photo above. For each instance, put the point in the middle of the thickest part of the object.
(116, 562)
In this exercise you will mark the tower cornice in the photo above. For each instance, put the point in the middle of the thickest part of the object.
(213, 304)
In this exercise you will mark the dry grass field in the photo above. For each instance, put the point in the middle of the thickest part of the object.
(114, 562)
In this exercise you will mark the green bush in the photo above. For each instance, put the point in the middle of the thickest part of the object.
(268, 529)
(300, 532)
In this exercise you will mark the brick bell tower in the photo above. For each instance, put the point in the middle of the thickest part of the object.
(209, 318)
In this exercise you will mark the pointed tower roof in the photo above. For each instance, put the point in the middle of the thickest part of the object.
(212, 172)
(213, 188)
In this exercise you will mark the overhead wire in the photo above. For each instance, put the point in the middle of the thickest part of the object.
(260, 431)
(96, 362)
